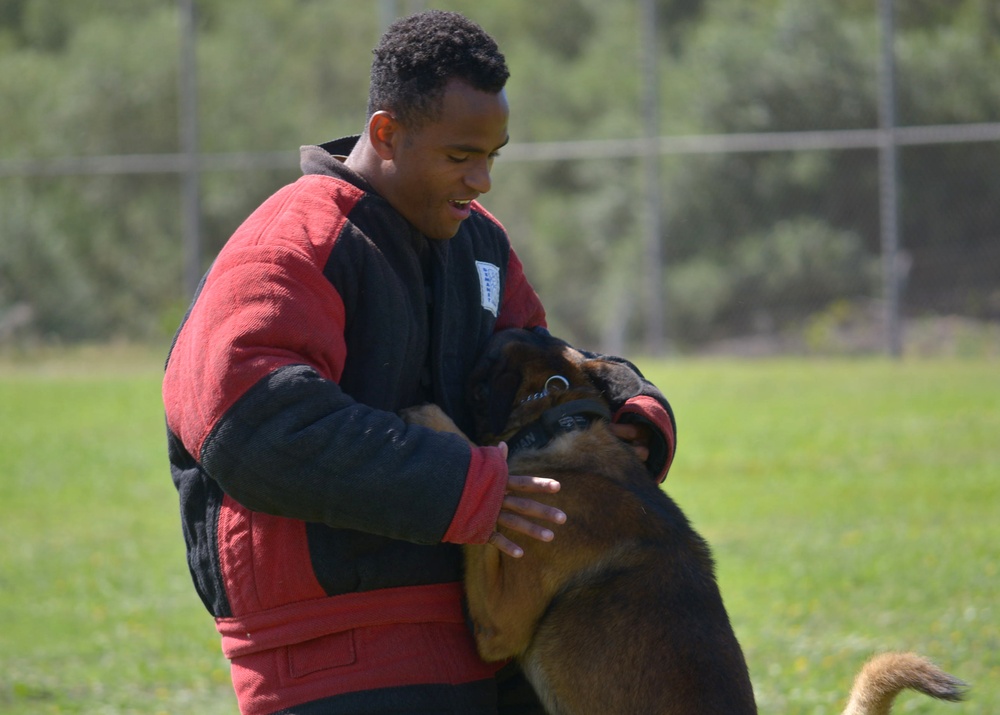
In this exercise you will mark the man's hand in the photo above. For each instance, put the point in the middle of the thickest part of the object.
(516, 510)
(635, 435)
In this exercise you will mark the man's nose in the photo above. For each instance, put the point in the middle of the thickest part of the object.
(478, 177)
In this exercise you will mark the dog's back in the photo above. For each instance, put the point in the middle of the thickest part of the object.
(641, 629)
(621, 613)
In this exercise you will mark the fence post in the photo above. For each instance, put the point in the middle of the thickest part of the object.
(889, 182)
(191, 177)
(652, 251)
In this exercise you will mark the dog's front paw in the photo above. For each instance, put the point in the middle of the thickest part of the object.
(426, 415)
(432, 417)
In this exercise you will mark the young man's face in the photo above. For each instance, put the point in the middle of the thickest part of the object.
(442, 165)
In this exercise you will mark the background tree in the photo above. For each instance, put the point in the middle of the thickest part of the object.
(98, 256)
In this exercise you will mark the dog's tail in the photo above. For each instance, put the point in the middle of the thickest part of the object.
(883, 677)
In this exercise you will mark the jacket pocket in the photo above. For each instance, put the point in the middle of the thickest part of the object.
(332, 651)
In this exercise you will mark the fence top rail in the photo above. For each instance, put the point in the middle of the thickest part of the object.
(531, 151)
(754, 142)
(148, 163)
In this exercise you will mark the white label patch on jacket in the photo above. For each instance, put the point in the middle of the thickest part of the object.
(489, 286)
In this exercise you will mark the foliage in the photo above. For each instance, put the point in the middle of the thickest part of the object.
(98, 256)
(797, 262)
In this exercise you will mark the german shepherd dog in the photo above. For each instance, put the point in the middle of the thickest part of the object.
(620, 614)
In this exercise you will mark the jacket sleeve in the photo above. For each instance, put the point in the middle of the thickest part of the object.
(251, 391)
(521, 306)
(649, 407)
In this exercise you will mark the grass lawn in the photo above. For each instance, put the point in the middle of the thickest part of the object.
(852, 506)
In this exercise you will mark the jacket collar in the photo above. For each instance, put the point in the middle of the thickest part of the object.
(328, 160)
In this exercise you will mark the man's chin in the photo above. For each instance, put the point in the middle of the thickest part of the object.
(443, 233)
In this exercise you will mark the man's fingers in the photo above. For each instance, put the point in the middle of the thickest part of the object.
(506, 545)
(518, 515)
(624, 431)
(532, 485)
(524, 526)
(518, 524)
(637, 438)
(522, 506)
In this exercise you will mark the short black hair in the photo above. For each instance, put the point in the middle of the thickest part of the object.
(419, 54)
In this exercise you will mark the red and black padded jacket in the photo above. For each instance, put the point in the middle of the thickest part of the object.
(308, 507)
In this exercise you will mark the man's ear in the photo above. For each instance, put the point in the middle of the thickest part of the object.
(383, 133)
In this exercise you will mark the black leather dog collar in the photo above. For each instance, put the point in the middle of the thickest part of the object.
(567, 417)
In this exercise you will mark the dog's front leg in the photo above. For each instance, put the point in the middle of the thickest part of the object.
(482, 584)
(482, 562)
(494, 582)
(503, 615)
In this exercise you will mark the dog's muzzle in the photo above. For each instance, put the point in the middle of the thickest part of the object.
(561, 419)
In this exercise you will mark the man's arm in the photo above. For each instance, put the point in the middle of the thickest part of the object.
(251, 390)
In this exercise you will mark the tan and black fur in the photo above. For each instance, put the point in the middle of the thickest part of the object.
(620, 614)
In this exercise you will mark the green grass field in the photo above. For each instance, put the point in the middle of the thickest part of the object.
(852, 505)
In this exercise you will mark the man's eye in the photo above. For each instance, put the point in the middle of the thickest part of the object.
(457, 159)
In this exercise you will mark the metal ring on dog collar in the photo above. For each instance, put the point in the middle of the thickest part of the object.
(551, 383)
(546, 390)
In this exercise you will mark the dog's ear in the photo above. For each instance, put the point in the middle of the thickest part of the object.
(498, 375)
(500, 401)
(493, 385)
(616, 381)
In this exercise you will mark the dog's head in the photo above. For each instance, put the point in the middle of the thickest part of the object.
(523, 375)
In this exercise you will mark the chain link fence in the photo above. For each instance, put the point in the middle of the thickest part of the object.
(786, 251)
(805, 284)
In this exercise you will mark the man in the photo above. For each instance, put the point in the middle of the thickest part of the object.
(322, 532)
